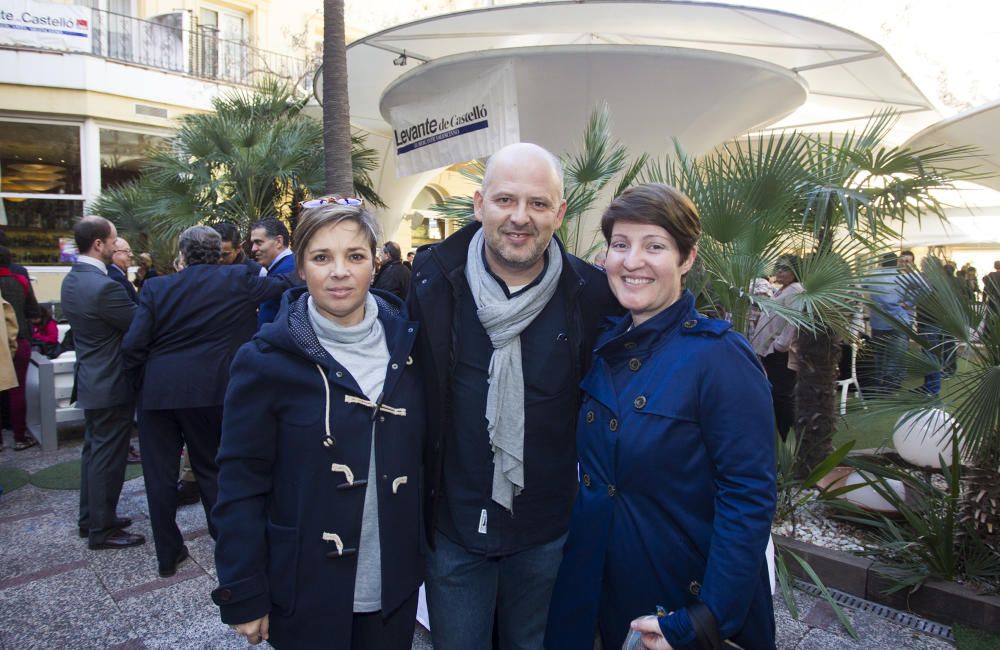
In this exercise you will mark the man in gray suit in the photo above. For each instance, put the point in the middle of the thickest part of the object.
(100, 311)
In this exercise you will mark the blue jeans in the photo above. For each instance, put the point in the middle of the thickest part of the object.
(888, 348)
(936, 354)
(465, 589)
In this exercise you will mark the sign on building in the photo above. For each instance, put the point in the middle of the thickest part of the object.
(455, 127)
(45, 25)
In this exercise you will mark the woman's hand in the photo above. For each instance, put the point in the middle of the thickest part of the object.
(652, 637)
(254, 631)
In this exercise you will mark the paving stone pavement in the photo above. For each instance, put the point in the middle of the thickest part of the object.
(55, 593)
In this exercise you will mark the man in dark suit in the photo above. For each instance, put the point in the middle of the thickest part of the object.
(121, 257)
(185, 334)
(270, 245)
(393, 276)
(232, 247)
(100, 311)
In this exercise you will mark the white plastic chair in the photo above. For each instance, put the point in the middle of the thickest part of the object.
(845, 384)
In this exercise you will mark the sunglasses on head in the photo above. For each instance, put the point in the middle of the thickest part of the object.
(334, 198)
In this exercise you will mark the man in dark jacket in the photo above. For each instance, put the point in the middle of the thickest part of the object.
(100, 312)
(185, 334)
(393, 276)
(509, 321)
(991, 287)
(271, 248)
(232, 247)
(121, 257)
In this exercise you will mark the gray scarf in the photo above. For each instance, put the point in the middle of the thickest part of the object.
(504, 319)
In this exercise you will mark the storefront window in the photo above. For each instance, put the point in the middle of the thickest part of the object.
(122, 155)
(41, 188)
(39, 158)
(39, 229)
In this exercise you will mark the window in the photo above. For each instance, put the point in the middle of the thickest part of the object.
(224, 36)
(39, 158)
(41, 187)
(122, 154)
(37, 227)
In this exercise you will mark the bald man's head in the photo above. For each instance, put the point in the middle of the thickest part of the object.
(520, 206)
(122, 254)
(524, 151)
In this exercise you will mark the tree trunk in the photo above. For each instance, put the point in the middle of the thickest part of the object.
(816, 398)
(980, 504)
(336, 108)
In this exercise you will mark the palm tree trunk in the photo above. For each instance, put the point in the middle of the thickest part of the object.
(336, 108)
(816, 397)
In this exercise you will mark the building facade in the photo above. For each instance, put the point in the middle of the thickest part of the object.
(87, 89)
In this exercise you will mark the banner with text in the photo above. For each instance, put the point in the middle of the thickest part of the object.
(463, 125)
(45, 25)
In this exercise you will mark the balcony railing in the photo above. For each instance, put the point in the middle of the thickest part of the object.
(163, 42)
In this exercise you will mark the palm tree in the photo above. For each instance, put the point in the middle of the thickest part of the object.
(336, 108)
(831, 201)
(951, 319)
(257, 155)
(862, 187)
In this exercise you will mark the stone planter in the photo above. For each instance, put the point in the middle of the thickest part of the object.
(942, 602)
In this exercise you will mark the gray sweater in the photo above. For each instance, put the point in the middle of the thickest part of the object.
(362, 350)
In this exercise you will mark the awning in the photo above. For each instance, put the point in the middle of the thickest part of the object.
(701, 72)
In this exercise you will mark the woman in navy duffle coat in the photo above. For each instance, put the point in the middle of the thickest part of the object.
(294, 464)
(676, 447)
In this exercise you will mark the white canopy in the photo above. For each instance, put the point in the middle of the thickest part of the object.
(701, 72)
(979, 127)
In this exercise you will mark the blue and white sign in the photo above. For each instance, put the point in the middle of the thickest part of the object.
(467, 124)
(45, 25)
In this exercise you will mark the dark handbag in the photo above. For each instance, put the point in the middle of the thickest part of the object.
(706, 630)
(50, 350)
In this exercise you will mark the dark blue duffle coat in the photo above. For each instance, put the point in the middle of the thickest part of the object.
(289, 522)
(677, 486)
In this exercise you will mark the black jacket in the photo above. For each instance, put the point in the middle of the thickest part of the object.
(119, 276)
(187, 329)
(394, 278)
(438, 277)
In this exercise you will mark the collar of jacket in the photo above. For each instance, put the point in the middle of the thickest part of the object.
(636, 344)
(639, 340)
(291, 331)
(451, 254)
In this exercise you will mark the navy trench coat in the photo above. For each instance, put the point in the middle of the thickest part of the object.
(288, 514)
(676, 445)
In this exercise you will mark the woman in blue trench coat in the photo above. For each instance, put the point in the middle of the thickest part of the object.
(318, 513)
(676, 447)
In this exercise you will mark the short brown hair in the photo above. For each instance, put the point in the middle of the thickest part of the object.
(88, 230)
(315, 219)
(656, 204)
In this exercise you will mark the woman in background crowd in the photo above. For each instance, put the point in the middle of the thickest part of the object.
(16, 289)
(45, 332)
(774, 341)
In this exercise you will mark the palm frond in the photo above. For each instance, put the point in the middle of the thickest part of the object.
(253, 157)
